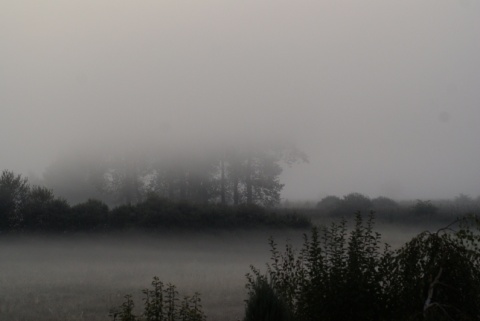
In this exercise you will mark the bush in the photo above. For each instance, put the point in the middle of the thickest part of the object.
(437, 275)
(263, 303)
(161, 303)
(345, 276)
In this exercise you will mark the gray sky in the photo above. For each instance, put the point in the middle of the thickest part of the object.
(384, 96)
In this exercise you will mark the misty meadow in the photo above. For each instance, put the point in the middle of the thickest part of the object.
(239, 160)
(87, 261)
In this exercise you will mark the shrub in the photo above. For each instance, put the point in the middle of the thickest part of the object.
(161, 303)
(263, 303)
(437, 275)
(340, 275)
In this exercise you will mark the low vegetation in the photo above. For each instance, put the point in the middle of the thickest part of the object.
(341, 275)
(161, 303)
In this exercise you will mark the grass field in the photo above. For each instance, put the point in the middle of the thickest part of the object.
(81, 277)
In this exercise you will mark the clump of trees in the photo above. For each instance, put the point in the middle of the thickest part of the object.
(239, 175)
(26, 207)
(403, 211)
(424, 208)
(341, 275)
(34, 208)
(350, 203)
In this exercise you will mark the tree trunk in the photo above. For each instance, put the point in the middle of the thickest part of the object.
(248, 181)
(236, 198)
(222, 183)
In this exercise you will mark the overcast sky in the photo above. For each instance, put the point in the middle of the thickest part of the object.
(383, 95)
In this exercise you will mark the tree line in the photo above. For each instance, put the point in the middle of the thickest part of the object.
(224, 175)
(388, 209)
(25, 207)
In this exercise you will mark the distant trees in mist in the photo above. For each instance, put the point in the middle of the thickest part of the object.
(224, 175)
(35, 208)
(387, 208)
(353, 202)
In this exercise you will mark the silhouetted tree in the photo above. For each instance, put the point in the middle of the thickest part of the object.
(352, 203)
(44, 212)
(341, 275)
(383, 202)
(14, 190)
(329, 203)
(424, 208)
(90, 215)
(125, 178)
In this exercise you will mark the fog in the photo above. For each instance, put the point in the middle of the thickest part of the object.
(84, 277)
(382, 95)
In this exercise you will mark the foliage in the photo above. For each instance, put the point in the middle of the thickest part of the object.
(231, 175)
(161, 303)
(383, 202)
(340, 275)
(89, 216)
(437, 275)
(44, 212)
(125, 311)
(329, 203)
(351, 203)
(26, 208)
(14, 191)
(424, 208)
(263, 303)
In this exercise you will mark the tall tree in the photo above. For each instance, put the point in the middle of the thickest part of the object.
(254, 172)
(125, 178)
(14, 190)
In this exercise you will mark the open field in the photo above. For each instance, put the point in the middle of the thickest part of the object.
(82, 277)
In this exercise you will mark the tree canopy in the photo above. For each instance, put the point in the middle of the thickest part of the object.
(228, 175)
